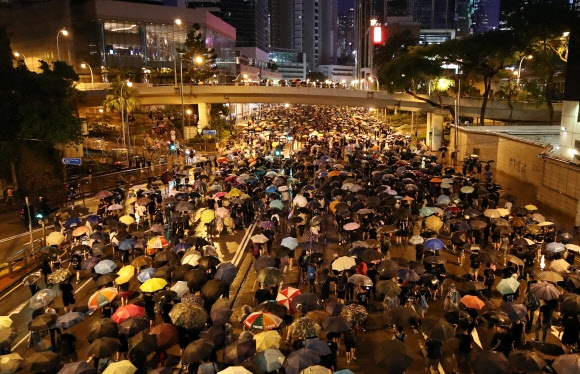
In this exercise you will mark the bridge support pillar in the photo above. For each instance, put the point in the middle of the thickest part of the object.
(434, 135)
(203, 115)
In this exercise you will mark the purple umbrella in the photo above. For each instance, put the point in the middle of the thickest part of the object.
(300, 360)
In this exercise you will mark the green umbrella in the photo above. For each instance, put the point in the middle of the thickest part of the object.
(507, 286)
(277, 204)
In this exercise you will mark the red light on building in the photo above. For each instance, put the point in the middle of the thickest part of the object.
(377, 35)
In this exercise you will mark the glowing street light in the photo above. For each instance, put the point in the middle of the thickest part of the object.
(17, 55)
(529, 57)
(84, 65)
(178, 23)
(64, 32)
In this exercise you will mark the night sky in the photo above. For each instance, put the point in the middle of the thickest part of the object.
(344, 5)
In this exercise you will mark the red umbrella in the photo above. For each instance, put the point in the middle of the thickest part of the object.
(127, 311)
(166, 335)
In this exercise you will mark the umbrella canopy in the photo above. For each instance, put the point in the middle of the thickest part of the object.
(434, 244)
(527, 361)
(270, 275)
(7, 336)
(197, 351)
(437, 329)
(105, 266)
(267, 340)
(262, 321)
(188, 315)
(226, 272)
(101, 328)
(361, 280)
(514, 311)
(286, 296)
(134, 325)
(388, 288)
(394, 355)
(300, 360)
(355, 313)
(42, 322)
(103, 347)
(304, 328)
(79, 367)
(289, 242)
(336, 324)
(9, 363)
(120, 367)
(127, 311)
(54, 238)
(269, 360)
(102, 297)
(221, 316)
(40, 362)
(343, 263)
(259, 239)
(491, 362)
(401, 316)
(42, 298)
(239, 351)
(158, 242)
(143, 342)
(306, 302)
(567, 364)
(544, 290)
(153, 285)
(68, 320)
(472, 302)
(507, 286)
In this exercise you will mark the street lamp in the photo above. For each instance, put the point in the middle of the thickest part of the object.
(529, 57)
(175, 22)
(65, 33)
(17, 55)
(188, 117)
(129, 84)
(84, 65)
(371, 78)
(370, 48)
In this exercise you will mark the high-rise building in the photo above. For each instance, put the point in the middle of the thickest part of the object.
(345, 32)
(319, 36)
(250, 18)
(285, 24)
(485, 15)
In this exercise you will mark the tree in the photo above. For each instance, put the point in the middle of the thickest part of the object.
(396, 45)
(316, 76)
(113, 99)
(200, 58)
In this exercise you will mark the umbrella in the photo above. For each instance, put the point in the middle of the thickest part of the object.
(103, 347)
(394, 355)
(277, 204)
(239, 351)
(286, 295)
(306, 302)
(141, 261)
(235, 370)
(212, 290)
(417, 239)
(496, 317)
(567, 364)
(220, 316)
(42, 298)
(491, 362)
(101, 328)
(191, 258)
(526, 361)
(544, 290)
(289, 242)
(472, 302)
(300, 360)
(408, 275)
(273, 307)
(514, 311)
(355, 313)
(317, 345)
(361, 280)
(5, 322)
(134, 325)
(264, 262)
(226, 272)
(492, 213)
(507, 286)
(371, 255)
(548, 276)
(42, 322)
(259, 239)
(269, 360)
(336, 324)
(555, 247)
(105, 266)
(157, 242)
(143, 342)
(188, 315)
(127, 220)
(68, 320)
(434, 244)
(270, 275)
(80, 231)
(79, 367)
(145, 274)
(180, 288)
(401, 316)
(570, 304)
(267, 340)
(433, 223)
(351, 226)
(54, 238)
(9, 363)
(304, 328)
(197, 351)
(105, 279)
(437, 329)
(120, 367)
(7, 336)
(153, 285)
(40, 362)
(58, 276)
(388, 288)
(262, 321)
(343, 263)
(388, 269)
(127, 311)
(560, 266)
(514, 260)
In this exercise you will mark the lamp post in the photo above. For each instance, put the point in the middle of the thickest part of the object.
(18, 54)
(188, 117)
(529, 57)
(175, 22)
(356, 67)
(65, 33)
(371, 78)
(84, 65)
(370, 51)
(129, 84)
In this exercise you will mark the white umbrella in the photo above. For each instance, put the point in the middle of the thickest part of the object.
(343, 263)
(180, 288)
(289, 242)
(191, 258)
(300, 201)
(259, 239)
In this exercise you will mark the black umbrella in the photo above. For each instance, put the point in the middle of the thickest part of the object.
(394, 355)
(221, 316)
(166, 296)
(196, 279)
(104, 347)
(491, 362)
(226, 272)
(402, 316)
(371, 255)
(212, 290)
(209, 262)
(101, 328)
(239, 351)
(306, 302)
(7, 336)
(133, 325)
(215, 334)
(527, 361)
(180, 271)
(166, 256)
(197, 351)
(79, 367)
(264, 262)
(41, 362)
(273, 307)
(336, 324)
(388, 269)
(42, 322)
(105, 279)
(143, 342)
(437, 329)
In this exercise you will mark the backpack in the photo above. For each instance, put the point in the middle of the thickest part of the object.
(311, 273)
(532, 301)
(453, 297)
(422, 301)
(490, 278)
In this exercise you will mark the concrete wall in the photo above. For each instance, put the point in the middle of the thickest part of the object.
(560, 185)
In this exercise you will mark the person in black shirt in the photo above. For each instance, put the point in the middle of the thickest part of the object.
(68, 296)
(261, 295)
(544, 321)
(474, 266)
(502, 341)
(433, 355)
(330, 360)
(463, 351)
(76, 260)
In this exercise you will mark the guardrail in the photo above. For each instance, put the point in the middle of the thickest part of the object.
(25, 259)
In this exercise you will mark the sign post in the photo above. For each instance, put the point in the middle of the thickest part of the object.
(210, 132)
(72, 161)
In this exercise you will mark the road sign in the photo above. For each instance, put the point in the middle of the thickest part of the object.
(72, 161)
(210, 132)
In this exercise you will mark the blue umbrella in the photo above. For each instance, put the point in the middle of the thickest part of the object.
(181, 247)
(443, 200)
(251, 180)
(99, 235)
(145, 274)
(434, 244)
(105, 267)
(94, 219)
(555, 247)
(271, 189)
(127, 244)
(226, 272)
(75, 221)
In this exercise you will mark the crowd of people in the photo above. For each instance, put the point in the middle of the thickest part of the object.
(356, 223)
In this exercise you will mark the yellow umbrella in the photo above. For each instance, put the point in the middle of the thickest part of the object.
(5, 322)
(120, 367)
(54, 238)
(333, 205)
(80, 231)
(234, 193)
(130, 200)
(153, 285)
(434, 223)
(125, 274)
(267, 340)
(127, 220)
(531, 207)
(207, 216)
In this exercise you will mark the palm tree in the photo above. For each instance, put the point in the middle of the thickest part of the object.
(113, 99)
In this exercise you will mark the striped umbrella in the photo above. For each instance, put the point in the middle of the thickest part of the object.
(102, 297)
(286, 295)
(157, 242)
(262, 321)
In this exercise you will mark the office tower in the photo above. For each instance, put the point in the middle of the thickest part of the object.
(285, 24)
(345, 32)
(250, 18)
(485, 15)
(319, 23)
(433, 14)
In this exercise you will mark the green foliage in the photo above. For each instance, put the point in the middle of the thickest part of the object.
(200, 59)
(395, 46)
(113, 99)
(316, 76)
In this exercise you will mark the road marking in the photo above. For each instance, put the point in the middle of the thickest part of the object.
(24, 234)
(20, 342)
(242, 248)
(475, 336)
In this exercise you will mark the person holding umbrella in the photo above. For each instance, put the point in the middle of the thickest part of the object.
(545, 319)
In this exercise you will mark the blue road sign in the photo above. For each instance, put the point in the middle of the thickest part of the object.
(72, 161)
(210, 132)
